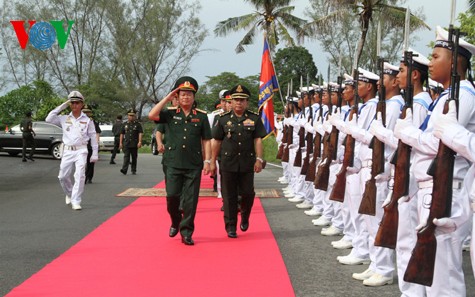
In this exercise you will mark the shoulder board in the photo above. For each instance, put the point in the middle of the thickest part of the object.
(172, 107)
(200, 110)
(226, 113)
(253, 112)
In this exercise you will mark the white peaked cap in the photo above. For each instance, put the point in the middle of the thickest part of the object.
(390, 69)
(367, 76)
(441, 40)
(418, 58)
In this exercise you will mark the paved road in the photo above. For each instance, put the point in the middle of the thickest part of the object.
(36, 226)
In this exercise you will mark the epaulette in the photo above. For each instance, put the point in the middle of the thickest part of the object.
(253, 112)
(200, 110)
(226, 113)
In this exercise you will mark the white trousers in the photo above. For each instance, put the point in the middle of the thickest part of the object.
(360, 240)
(382, 259)
(73, 160)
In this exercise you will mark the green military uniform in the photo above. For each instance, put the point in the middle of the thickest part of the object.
(237, 162)
(183, 158)
(130, 140)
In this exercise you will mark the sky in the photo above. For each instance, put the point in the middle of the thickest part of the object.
(219, 55)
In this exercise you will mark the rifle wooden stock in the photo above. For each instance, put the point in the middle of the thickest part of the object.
(323, 169)
(420, 268)
(312, 167)
(286, 154)
(387, 232)
(289, 141)
(338, 191)
(298, 156)
(306, 160)
(282, 144)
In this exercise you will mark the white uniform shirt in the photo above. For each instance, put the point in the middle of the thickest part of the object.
(367, 114)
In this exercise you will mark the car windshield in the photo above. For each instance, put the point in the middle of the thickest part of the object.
(107, 133)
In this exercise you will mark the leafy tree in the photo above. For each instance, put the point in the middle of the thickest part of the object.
(292, 64)
(329, 18)
(273, 17)
(467, 26)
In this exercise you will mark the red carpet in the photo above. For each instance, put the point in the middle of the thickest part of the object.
(132, 255)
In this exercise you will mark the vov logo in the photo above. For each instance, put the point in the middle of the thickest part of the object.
(42, 35)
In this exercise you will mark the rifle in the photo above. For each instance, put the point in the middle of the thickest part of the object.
(308, 136)
(298, 155)
(331, 144)
(317, 146)
(280, 152)
(288, 138)
(420, 268)
(387, 232)
(368, 202)
(338, 191)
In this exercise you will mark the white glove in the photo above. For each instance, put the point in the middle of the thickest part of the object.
(64, 105)
(347, 127)
(318, 126)
(420, 226)
(403, 199)
(445, 122)
(356, 166)
(94, 157)
(309, 128)
(302, 122)
(402, 124)
(444, 225)
(340, 155)
(377, 125)
(388, 199)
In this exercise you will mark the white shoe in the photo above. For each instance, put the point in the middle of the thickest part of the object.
(342, 244)
(68, 200)
(377, 280)
(287, 188)
(281, 178)
(296, 199)
(76, 207)
(284, 182)
(321, 221)
(331, 231)
(304, 205)
(351, 260)
(289, 195)
(363, 275)
(313, 212)
(287, 192)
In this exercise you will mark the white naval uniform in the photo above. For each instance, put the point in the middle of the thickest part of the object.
(407, 219)
(298, 185)
(211, 117)
(76, 134)
(448, 263)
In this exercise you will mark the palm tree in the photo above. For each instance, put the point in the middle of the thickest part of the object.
(274, 17)
(471, 6)
(364, 10)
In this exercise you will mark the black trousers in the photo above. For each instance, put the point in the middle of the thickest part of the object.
(232, 184)
(28, 141)
(89, 166)
(116, 147)
(130, 153)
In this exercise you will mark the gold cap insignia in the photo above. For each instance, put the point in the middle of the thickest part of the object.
(239, 88)
(187, 84)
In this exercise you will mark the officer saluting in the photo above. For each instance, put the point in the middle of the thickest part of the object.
(130, 141)
(238, 136)
(188, 132)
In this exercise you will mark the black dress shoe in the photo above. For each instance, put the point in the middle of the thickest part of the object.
(244, 226)
(112, 162)
(123, 171)
(187, 240)
(134, 173)
(232, 234)
(173, 232)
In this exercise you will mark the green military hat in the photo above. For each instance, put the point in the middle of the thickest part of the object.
(86, 109)
(240, 92)
(186, 83)
(131, 112)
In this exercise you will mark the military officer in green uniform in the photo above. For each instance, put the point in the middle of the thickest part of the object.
(188, 152)
(130, 141)
(238, 142)
(28, 134)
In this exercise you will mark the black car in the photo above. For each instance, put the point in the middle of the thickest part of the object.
(48, 140)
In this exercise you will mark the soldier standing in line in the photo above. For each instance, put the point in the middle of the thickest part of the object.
(28, 134)
(130, 142)
(188, 149)
(116, 129)
(238, 140)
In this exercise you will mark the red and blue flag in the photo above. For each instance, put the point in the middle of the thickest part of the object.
(267, 86)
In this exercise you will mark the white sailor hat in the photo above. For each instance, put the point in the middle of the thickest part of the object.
(333, 87)
(293, 99)
(367, 76)
(390, 69)
(419, 61)
(221, 94)
(298, 93)
(317, 88)
(349, 80)
(307, 90)
(465, 49)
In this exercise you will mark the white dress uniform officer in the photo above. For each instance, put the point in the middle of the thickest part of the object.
(78, 128)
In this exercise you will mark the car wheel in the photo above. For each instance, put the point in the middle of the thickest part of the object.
(154, 148)
(56, 151)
